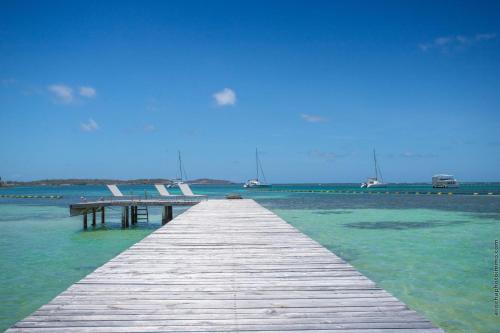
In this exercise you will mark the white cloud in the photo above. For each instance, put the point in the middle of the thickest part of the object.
(450, 43)
(328, 155)
(89, 126)
(313, 118)
(8, 82)
(443, 40)
(424, 47)
(87, 92)
(149, 128)
(62, 93)
(67, 95)
(409, 154)
(480, 37)
(225, 97)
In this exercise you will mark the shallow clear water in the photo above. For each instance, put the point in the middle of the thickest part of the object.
(438, 262)
(43, 252)
(433, 252)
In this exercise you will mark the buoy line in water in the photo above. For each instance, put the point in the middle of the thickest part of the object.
(383, 192)
(16, 196)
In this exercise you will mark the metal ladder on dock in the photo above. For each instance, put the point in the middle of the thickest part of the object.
(142, 213)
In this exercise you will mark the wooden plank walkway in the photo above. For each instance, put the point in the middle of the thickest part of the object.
(225, 266)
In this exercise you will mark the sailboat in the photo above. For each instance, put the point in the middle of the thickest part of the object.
(182, 172)
(374, 182)
(256, 182)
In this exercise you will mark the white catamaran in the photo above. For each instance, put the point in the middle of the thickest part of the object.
(374, 182)
(256, 182)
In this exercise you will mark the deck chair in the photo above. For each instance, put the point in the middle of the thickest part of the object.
(162, 190)
(186, 191)
(115, 190)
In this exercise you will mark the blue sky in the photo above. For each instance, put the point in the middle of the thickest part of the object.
(113, 89)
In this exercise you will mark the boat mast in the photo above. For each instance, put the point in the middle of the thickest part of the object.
(257, 162)
(375, 160)
(180, 164)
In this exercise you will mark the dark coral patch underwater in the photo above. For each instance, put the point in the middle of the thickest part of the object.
(402, 225)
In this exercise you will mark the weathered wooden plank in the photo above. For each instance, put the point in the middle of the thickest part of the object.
(226, 266)
(323, 323)
(208, 329)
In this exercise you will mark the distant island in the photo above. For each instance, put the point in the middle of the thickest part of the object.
(145, 181)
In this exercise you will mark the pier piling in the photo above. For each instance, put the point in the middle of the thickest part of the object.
(124, 216)
(134, 215)
(167, 215)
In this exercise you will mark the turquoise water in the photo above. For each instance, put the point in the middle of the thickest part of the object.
(433, 252)
(437, 262)
(43, 252)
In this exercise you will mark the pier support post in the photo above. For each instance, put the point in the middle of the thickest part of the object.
(93, 217)
(134, 214)
(167, 215)
(126, 217)
(170, 213)
(85, 221)
(102, 215)
(124, 214)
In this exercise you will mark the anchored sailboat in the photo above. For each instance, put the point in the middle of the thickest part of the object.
(256, 182)
(181, 175)
(376, 181)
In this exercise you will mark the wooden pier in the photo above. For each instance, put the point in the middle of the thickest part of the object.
(130, 209)
(226, 266)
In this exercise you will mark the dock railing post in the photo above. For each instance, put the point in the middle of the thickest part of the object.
(102, 215)
(93, 217)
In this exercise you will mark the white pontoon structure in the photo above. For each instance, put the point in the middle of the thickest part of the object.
(444, 181)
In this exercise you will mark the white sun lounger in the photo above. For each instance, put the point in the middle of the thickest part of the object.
(162, 190)
(115, 190)
(186, 191)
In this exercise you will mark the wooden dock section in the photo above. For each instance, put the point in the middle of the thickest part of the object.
(226, 266)
(130, 208)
